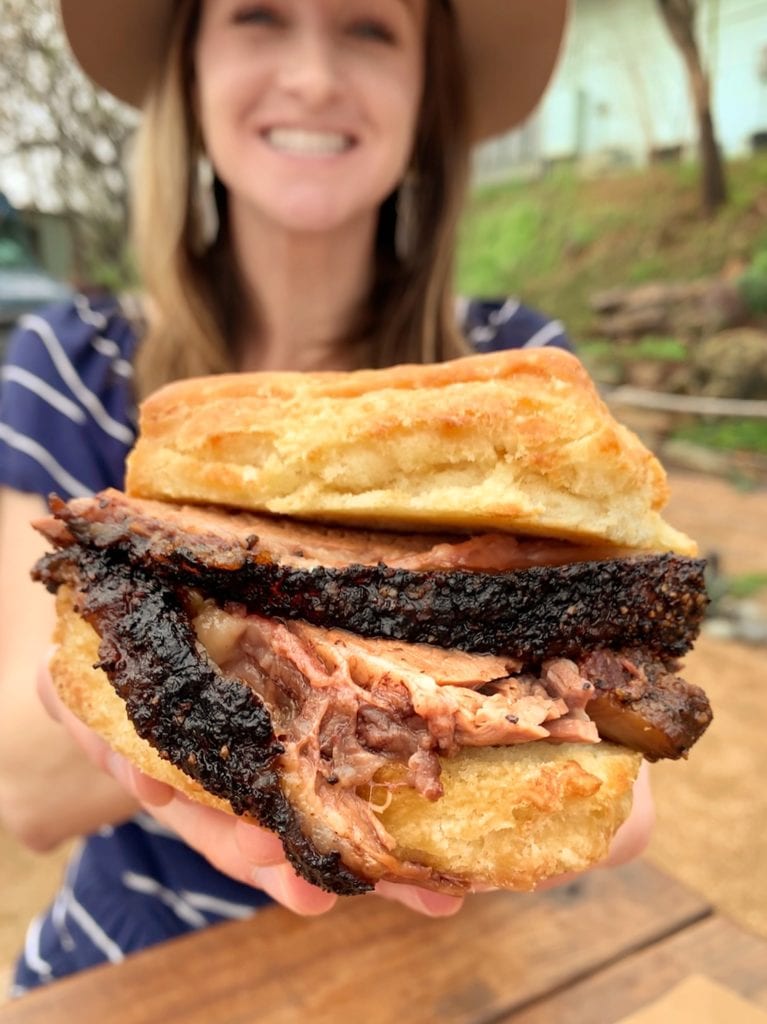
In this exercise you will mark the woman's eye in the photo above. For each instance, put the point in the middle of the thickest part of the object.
(376, 31)
(256, 14)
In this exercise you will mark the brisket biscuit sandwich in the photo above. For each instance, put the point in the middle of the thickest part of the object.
(423, 622)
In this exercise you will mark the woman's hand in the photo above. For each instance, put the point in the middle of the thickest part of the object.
(634, 834)
(249, 853)
(253, 855)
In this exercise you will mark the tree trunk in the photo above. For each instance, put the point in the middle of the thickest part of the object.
(679, 16)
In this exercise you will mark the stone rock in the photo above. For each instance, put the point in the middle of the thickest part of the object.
(731, 364)
(687, 310)
(657, 375)
(707, 308)
(609, 301)
(634, 322)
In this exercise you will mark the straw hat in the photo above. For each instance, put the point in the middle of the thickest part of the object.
(511, 48)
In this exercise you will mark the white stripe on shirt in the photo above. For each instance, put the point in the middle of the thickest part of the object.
(41, 327)
(110, 349)
(87, 314)
(105, 346)
(509, 309)
(547, 333)
(93, 930)
(25, 379)
(151, 887)
(64, 479)
(59, 921)
(215, 905)
(32, 956)
(60, 904)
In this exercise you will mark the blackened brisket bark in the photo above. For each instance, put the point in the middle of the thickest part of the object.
(214, 728)
(535, 613)
(655, 602)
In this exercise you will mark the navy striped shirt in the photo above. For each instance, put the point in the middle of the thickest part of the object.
(67, 420)
(67, 423)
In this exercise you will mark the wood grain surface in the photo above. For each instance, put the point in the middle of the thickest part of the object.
(714, 947)
(375, 961)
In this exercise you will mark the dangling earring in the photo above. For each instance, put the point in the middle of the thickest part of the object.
(406, 223)
(206, 211)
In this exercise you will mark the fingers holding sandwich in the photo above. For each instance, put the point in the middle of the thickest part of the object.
(632, 837)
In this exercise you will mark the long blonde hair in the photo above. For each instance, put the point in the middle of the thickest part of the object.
(192, 294)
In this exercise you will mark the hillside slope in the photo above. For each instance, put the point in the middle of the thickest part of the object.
(557, 241)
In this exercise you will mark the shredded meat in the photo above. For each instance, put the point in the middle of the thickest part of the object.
(373, 701)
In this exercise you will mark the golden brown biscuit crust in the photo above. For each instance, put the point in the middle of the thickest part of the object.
(509, 817)
(517, 441)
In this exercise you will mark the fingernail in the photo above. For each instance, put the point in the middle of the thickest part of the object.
(272, 881)
(437, 904)
(118, 768)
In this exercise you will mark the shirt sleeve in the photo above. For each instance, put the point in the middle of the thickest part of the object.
(493, 325)
(67, 419)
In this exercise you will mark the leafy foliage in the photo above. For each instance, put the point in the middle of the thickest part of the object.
(753, 283)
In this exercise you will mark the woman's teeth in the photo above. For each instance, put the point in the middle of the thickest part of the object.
(311, 143)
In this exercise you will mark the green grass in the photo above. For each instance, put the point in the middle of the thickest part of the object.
(663, 350)
(601, 356)
(557, 241)
(747, 585)
(742, 586)
(728, 435)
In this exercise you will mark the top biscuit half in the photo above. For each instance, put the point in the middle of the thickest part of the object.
(517, 441)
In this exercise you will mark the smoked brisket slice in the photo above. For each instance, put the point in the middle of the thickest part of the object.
(655, 602)
(213, 728)
(230, 538)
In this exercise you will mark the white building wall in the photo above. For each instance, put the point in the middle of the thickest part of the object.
(739, 70)
(621, 89)
(620, 86)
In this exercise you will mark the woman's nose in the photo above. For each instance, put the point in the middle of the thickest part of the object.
(310, 70)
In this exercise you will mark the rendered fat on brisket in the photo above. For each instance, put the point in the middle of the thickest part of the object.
(270, 696)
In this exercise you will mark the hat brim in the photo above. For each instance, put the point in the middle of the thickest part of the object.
(510, 47)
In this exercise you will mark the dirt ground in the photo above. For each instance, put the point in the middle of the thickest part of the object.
(708, 807)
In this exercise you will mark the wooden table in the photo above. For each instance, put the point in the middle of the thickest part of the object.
(585, 954)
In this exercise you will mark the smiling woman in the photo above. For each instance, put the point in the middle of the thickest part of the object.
(300, 170)
(323, 99)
